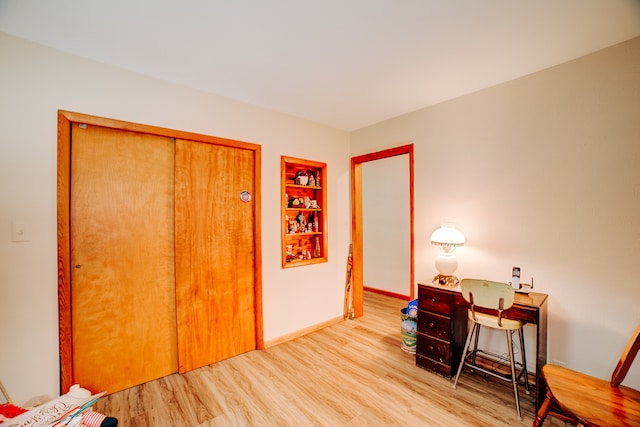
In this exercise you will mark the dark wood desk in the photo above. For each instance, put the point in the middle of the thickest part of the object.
(442, 329)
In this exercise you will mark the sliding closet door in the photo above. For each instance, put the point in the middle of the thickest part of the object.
(214, 246)
(122, 258)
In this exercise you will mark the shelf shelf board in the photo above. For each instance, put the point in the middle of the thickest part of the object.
(297, 261)
(310, 187)
(312, 233)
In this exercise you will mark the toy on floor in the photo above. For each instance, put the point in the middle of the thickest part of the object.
(69, 410)
(7, 408)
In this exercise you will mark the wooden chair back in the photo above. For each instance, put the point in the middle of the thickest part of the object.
(626, 359)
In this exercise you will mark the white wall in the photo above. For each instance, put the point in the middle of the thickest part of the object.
(35, 82)
(386, 224)
(542, 172)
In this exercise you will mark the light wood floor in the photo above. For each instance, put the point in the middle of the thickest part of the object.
(349, 374)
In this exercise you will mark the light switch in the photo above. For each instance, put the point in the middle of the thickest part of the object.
(19, 232)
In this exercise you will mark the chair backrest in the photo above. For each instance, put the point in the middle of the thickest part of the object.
(626, 359)
(487, 294)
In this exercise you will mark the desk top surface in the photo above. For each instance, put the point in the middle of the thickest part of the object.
(532, 299)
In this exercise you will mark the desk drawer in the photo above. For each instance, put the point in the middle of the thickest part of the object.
(524, 314)
(433, 348)
(434, 325)
(432, 365)
(434, 300)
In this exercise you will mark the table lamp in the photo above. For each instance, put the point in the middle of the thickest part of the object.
(448, 238)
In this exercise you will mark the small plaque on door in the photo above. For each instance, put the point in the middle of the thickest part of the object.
(245, 196)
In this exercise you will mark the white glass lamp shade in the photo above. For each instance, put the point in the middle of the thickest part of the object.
(448, 238)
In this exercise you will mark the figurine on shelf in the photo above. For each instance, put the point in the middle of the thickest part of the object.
(302, 222)
(307, 202)
(301, 177)
(316, 251)
(312, 180)
(314, 204)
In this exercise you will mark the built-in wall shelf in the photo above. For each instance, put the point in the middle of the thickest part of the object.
(304, 212)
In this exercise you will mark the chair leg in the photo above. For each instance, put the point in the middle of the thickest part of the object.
(464, 354)
(543, 411)
(514, 379)
(475, 343)
(524, 360)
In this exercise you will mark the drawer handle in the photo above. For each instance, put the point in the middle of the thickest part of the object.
(431, 347)
(433, 300)
(431, 325)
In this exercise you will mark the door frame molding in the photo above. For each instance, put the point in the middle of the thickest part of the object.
(356, 220)
(65, 121)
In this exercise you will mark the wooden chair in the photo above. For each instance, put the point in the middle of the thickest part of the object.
(494, 297)
(591, 401)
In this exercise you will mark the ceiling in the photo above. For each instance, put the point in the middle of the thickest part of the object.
(343, 63)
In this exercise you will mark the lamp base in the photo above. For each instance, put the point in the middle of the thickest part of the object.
(442, 280)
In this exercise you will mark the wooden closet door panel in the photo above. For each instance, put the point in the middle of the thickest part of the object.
(215, 260)
(122, 257)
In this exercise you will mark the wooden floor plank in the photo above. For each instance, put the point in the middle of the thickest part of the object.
(349, 374)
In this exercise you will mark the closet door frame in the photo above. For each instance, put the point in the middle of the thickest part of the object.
(65, 120)
(356, 221)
